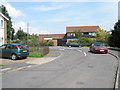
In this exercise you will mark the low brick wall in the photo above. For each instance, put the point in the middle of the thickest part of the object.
(45, 50)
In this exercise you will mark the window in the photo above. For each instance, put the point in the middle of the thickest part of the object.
(68, 34)
(86, 33)
(1, 23)
(3, 46)
(71, 34)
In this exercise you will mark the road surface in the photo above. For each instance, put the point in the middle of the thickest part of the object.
(75, 68)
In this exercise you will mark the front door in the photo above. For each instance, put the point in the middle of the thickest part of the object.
(59, 42)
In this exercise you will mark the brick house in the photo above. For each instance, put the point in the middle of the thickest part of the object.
(61, 39)
(87, 31)
(57, 39)
(3, 29)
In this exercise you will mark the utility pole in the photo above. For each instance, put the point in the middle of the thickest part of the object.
(27, 33)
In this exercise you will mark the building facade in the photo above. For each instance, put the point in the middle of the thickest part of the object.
(62, 39)
(57, 39)
(3, 29)
(87, 31)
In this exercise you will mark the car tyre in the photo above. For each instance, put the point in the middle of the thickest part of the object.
(80, 46)
(13, 57)
(69, 46)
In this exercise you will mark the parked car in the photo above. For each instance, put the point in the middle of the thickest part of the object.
(73, 44)
(14, 51)
(98, 47)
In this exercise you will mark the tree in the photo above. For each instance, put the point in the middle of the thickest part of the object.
(100, 35)
(78, 35)
(10, 29)
(21, 35)
(114, 39)
(33, 40)
(83, 40)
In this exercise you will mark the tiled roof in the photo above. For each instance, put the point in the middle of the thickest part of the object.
(54, 36)
(82, 28)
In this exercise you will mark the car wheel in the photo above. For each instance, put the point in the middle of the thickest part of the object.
(13, 57)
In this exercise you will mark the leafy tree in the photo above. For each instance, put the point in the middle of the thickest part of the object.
(48, 43)
(83, 40)
(78, 34)
(10, 29)
(21, 35)
(100, 35)
(114, 39)
(33, 40)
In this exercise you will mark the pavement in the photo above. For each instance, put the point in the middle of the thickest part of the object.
(117, 55)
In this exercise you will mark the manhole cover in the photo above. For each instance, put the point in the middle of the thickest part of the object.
(90, 66)
(81, 83)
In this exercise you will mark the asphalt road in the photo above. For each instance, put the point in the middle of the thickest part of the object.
(75, 68)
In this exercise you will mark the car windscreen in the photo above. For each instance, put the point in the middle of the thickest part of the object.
(74, 43)
(3, 46)
(99, 45)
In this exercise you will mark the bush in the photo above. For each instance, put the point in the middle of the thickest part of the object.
(84, 41)
(48, 43)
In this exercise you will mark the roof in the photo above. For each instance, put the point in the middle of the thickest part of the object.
(54, 36)
(4, 16)
(82, 28)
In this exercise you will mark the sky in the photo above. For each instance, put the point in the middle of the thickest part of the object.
(52, 17)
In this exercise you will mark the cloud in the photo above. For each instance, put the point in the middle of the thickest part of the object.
(13, 12)
(60, 19)
(44, 7)
(32, 30)
(63, 0)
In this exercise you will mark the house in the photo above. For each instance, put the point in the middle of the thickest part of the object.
(87, 31)
(57, 39)
(62, 39)
(3, 29)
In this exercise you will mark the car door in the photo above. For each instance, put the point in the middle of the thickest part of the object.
(8, 50)
(3, 50)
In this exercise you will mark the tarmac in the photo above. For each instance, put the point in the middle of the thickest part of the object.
(8, 65)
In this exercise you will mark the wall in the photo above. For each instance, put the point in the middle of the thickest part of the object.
(1, 31)
(54, 42)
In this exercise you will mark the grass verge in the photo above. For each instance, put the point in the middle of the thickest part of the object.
(1, 65)
(35, 53)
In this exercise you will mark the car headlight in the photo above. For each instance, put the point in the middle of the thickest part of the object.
(96, 48)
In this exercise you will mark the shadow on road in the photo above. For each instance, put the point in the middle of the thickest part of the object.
(11, 59)
(95, 52)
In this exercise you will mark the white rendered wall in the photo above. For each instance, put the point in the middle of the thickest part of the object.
(1, 31)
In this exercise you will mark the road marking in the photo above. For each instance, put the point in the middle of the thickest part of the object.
(85, 54)
(62, 49)
(79, 50)
(5, 69)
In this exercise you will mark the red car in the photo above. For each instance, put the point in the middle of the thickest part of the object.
(98, 48)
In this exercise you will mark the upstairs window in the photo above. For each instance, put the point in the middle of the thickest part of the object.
(1, 24)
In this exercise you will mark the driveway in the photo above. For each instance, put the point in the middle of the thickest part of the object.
(75, 68)
(8, 65)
